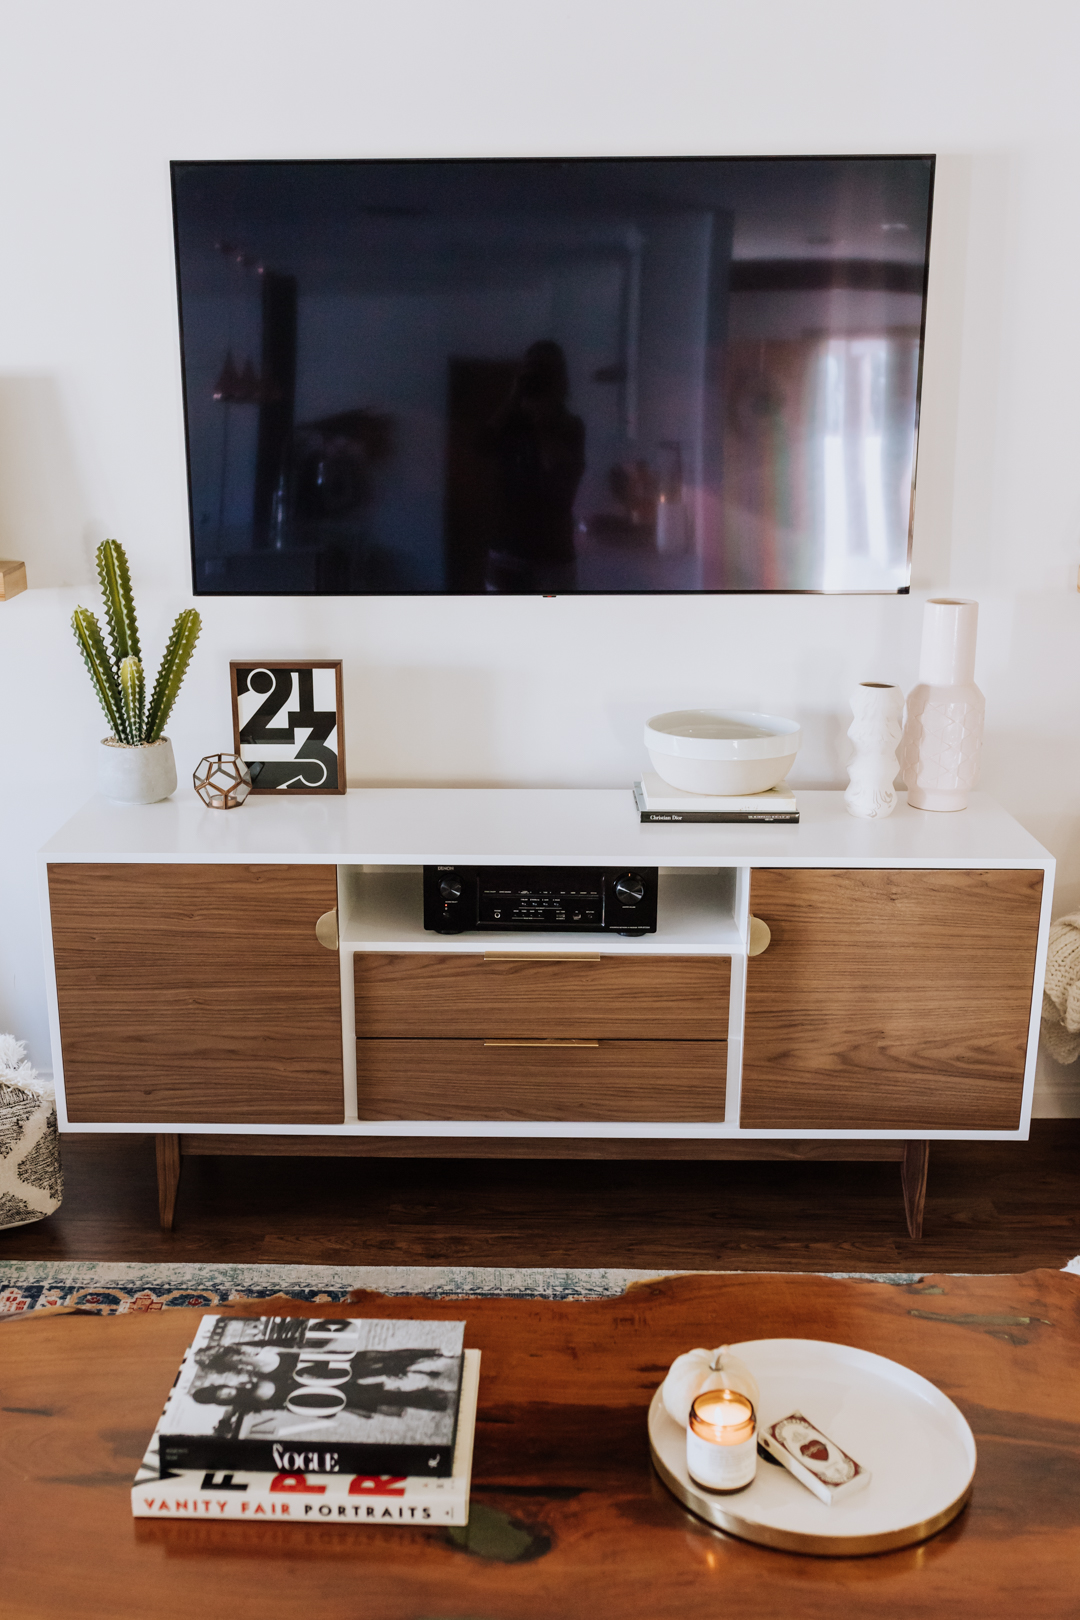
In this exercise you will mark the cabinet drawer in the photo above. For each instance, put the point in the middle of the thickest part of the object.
(610, 1080)
(443, 995)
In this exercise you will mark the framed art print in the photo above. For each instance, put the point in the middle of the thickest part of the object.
(288, 724)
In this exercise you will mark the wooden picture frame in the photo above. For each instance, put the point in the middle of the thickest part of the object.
(289, 698)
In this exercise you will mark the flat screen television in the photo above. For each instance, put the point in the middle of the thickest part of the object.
(526, 376)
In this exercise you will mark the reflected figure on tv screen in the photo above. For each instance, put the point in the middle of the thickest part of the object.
(538, 446)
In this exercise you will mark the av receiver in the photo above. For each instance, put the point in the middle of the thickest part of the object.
(540, 899)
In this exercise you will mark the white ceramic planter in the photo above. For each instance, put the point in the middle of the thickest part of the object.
(726, 751)
(876, 731)
(945, 712)
(136, 774)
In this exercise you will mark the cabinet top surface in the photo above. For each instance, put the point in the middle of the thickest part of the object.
(541, 826)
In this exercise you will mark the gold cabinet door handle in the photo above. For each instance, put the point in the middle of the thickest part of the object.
(541, 1043)
(326, 930)
(760, 936)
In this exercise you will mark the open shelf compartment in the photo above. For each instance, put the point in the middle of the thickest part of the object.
(381, 909)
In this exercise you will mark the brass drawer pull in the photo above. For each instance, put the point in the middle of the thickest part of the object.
(760, 936)
(326, 930)
(541, 956)
(541, 1043)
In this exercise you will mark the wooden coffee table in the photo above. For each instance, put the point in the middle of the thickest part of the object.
(568, 1519)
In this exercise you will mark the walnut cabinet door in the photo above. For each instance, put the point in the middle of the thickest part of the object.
(197, 993)
(890, 1000)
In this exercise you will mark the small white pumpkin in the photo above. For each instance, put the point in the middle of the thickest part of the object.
(696, 1370)
(685, 1377)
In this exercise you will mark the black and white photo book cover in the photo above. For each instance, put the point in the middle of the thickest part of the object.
(288, 724)
(299, 1497)
(319, 1395)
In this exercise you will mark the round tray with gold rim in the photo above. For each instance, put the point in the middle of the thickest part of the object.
(915, 1442)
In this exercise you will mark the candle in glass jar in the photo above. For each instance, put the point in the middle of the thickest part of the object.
(721, 1440)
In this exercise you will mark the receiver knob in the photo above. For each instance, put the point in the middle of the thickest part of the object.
(450, 888)
(630, 889)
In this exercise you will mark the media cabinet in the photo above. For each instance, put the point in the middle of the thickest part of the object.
(259, 981)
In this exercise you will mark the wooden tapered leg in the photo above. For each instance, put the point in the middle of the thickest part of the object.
(168, 1177)
(913, 1175)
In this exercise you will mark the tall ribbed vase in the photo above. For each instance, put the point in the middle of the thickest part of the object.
(875, 731)
(945, 712)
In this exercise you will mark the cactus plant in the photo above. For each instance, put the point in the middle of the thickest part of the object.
(115, 580)
(133, 694)
(119, 680)
(173, 669)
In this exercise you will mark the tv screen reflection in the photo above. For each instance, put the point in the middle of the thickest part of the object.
(545, 377)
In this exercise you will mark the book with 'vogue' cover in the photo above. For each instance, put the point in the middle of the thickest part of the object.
(309, 1498)
(316, 1395)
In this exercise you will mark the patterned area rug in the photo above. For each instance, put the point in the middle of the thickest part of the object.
(109, 1288)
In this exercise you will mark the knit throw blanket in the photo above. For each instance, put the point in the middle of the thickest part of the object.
(1061, 990)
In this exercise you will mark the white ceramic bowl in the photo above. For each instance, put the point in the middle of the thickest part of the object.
(721, 750)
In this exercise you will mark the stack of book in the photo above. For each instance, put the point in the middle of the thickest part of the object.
(311, 1419)
(658, 801)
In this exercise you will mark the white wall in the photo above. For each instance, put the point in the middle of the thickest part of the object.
(94, 101)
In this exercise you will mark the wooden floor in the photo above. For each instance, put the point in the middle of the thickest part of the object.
(997, 1206)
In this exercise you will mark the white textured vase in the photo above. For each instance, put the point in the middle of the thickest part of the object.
(136, 774)
(876, 731)
(945, 712)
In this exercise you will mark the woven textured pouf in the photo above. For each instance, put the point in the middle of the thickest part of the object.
(31, 1181)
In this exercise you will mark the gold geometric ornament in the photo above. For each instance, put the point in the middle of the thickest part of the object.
(222, 781)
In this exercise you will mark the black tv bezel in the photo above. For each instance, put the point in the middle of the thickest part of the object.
(177, 164)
